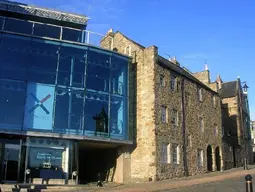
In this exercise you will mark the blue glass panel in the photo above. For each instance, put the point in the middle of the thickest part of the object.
(12, 99)
(14, 57)
(1, 22)
(43, 30)
(119, 75)
(18, 26)
(78, 56)
(96, 113)
(69, 111)
(61, 109)
(98, 71)
(72, 35)
(43, 63)
(64, 71)
(39, 106)
(118, 117)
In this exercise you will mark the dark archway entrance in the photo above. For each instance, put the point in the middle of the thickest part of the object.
(217, 157)
(209, 158)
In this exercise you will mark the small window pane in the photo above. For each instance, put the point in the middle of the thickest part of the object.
(43, 30)
(175, 153)
(173, 82)
(163, 114)
(162, 81)
(18, 26)
(72, 35)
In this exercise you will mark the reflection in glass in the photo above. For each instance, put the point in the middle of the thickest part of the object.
(119, 76)
(69, 110)
(14, 54)
(72, 35)
(46, 163)
(118, 117)
(96, 112)
(12, 99)
(43, 30)
(18, 26)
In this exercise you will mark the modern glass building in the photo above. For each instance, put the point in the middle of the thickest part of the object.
(63, 101)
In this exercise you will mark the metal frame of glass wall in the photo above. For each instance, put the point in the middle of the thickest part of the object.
(83, 90)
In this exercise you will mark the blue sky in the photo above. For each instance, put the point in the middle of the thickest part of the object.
(220, 32)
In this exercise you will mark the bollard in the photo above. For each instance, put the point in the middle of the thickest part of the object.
(99, 182)
(249, 187)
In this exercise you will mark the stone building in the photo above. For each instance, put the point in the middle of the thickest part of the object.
(236, 123)
(177, 117)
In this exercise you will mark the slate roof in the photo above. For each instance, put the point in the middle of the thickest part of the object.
(228, 89)
(21, 8)
(179, 70)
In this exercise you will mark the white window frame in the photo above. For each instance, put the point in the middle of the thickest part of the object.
(165, 153)
(173, 80)
(216, 131)
(200, 94)
(174, 119)
(176, 160)
(200, 157)
(214, 101)
(162, 81)
(201, 124)
(163, 114)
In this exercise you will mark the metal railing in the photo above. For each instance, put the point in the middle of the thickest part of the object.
(51, 32)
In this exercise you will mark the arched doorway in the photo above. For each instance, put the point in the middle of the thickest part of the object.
(217, 157)
(209, 158)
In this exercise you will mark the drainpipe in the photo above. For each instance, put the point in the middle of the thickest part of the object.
(185, 166)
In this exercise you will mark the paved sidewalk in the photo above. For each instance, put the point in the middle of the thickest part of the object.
(166, 184)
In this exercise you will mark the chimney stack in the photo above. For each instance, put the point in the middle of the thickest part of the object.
(219, 81)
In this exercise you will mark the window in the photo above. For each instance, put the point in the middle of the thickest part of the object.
(163, 114)
(215, 130)
(162, 80)
(174, 120)
(165, 156)
(175, 154)
(199, 157)
(201, 124)
(200, 95)
(173, 82)
(214, 101)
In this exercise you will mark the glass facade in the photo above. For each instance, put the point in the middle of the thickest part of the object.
(60, 87)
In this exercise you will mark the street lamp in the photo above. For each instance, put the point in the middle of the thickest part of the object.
(245, 88)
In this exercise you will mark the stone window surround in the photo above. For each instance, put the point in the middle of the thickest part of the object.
(200, 94)
(174, 119)
(214, 101)
(200, 157)
(175, 151)
(165, 153)
(162, 81)
(201, 123)
(173, 82)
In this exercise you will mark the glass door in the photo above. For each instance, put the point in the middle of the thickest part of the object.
(11, 162)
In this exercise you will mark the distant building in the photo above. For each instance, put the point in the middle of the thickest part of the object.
(236, 123)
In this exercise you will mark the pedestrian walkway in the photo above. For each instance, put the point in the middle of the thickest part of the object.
(159, 185)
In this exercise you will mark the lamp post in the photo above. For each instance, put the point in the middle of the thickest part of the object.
(245, 88)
